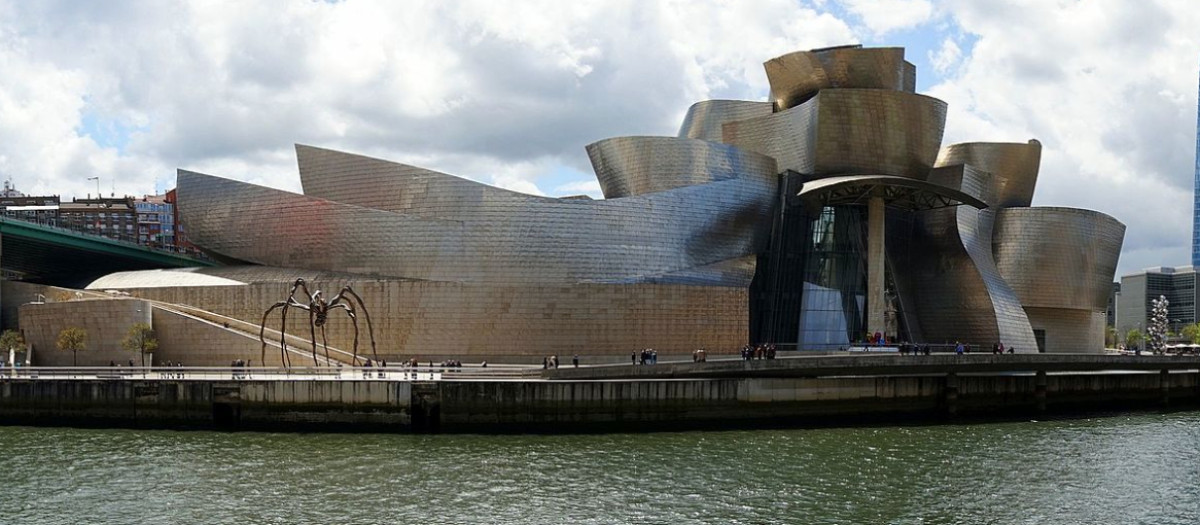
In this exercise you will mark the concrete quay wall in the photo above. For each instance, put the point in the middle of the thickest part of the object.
(266, 405)
(567, 406)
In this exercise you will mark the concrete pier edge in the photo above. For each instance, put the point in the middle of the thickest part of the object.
(783, 393)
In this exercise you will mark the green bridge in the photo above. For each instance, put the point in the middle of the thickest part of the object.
(48, 255)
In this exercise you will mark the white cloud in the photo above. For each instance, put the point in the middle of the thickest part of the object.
(1110, 90)
(945, 57)
(590, 188)
(885, 16)
(490, 90)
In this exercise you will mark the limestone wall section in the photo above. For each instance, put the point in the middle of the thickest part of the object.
(423, 319)
(194, 342)
(106, 321)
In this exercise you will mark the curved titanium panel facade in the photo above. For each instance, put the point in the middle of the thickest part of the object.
(1058, 257)
(1014, 167)
(383, 185)
(629, 166)
(1069, 330)
(956, 289)
(705, 118)
(562, 241)
(840, 132)
(795, 77)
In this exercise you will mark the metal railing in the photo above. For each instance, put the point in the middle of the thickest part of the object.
(227, 373)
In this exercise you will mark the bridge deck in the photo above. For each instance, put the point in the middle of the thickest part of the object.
(49, 255)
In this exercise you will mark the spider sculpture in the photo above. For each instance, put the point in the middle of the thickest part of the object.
(318, 313)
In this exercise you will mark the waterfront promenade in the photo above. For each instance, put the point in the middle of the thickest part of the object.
(795, 391)
(826, 365)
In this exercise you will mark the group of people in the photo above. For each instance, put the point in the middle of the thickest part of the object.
(699, 355)
(552, 361)
(239, 366)
(961, 348)
(914, 348)
(647, 356)
(759, 351)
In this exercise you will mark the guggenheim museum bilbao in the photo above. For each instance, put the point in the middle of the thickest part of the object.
(814, 220)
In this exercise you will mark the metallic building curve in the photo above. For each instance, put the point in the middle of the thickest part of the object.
(824, 136)
(539, 241)
(1014, 167)
(705, 118)
(629, 166)
(391, 186)
(795, 77)
(1075, 252)
(959, 293)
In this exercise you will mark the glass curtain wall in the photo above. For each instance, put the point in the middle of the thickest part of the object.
(832, 313)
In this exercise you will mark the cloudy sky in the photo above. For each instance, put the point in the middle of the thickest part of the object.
(509, 93)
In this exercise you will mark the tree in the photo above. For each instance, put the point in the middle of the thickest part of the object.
(1133, 337)
(11, 340)
(72, 338)
(1110, 336)
(140, 339)
(1191, 332)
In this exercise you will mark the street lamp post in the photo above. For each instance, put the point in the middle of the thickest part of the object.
(97, 179)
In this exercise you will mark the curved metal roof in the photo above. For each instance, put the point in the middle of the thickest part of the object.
(897, 192)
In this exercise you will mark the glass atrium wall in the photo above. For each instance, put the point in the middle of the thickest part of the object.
(833, 301)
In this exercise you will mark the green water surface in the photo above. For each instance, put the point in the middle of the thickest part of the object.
(1141, 468)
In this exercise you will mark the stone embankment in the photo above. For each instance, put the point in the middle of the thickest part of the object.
(817, 391)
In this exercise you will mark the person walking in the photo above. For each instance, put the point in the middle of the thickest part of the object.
(575, 360)
(958, 348)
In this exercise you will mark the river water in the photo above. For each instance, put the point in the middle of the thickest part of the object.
(1141, 468)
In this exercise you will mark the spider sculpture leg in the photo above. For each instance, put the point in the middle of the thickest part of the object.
(263, 329)
(354, 320)
(325, 342)
(340, 299)
(312, 332)
(300, 285)
(283, 355)
(290, 302)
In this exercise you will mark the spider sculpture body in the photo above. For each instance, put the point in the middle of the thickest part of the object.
(318, 315)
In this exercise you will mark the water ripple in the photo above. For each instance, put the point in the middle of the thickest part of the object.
(1127, 469)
